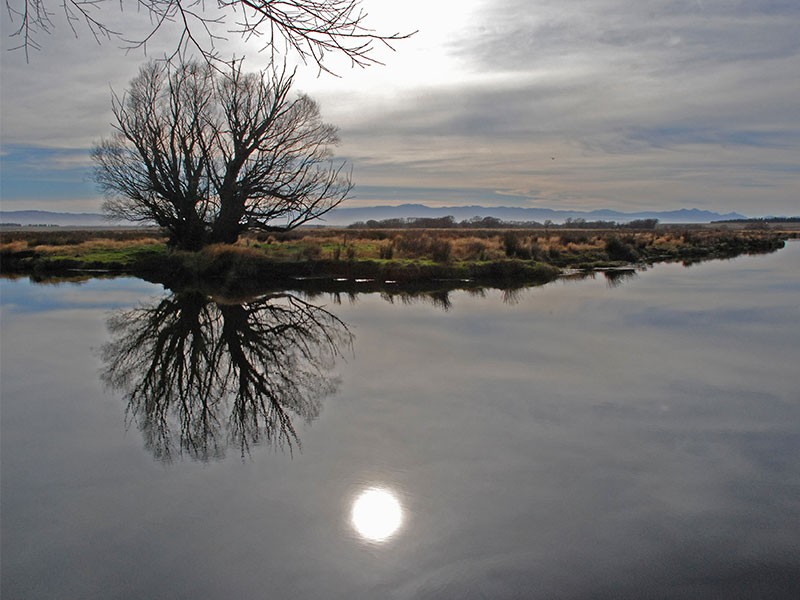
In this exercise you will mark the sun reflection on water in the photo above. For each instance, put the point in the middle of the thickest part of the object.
(376, 514)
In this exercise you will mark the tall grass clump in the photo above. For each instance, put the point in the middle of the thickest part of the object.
(514, 246)
(413, 244)
(386, 251)
(476, 250)
(440, 250)
(617, 249)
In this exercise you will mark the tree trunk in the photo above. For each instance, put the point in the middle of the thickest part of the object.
(227, 226)
(225, 232)
(191, 235)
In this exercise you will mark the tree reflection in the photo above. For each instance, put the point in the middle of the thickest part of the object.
(201, 375)
(616, 277)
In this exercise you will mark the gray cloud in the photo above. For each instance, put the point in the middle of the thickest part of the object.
(657, 103)
(520, 33)
(583, 103)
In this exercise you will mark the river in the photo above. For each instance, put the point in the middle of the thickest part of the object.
(635, 435)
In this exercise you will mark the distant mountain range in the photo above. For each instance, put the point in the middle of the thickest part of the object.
(348, 215)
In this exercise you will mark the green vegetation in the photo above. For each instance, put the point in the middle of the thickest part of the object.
(61, 251)
(408, 256)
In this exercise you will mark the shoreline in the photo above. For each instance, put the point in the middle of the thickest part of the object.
(303, 262)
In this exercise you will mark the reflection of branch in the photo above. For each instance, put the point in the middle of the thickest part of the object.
(187, 362)
(616, 277)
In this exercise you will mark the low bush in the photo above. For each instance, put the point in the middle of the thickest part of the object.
(311, 251)
(476, 250)
(515, 248)
(386, 251)
(440, 250)
(619, 250)
(575, 237)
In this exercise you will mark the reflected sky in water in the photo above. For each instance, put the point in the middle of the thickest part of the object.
(629, 438)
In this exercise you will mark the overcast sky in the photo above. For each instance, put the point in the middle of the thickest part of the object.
(566, 104)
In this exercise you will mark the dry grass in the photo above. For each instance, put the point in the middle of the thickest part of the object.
(470, 244)
(217, 251)
(88, 247)
(560, 247)
(14, 246)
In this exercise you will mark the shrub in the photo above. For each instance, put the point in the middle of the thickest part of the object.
(413, 243)
(312, 251)
(476, 250)
(440, 250)
(386, 251)
(514, 246)
(576, 237)
(289, 236)
(511, 243)
(617, 249)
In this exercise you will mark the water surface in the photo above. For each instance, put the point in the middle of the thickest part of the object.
(627, 437)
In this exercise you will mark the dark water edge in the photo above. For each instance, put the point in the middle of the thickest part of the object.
(232, 271)
(229, 278)
(626, 434)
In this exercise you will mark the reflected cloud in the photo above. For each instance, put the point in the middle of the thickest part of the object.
(376, 514)
(201, 375)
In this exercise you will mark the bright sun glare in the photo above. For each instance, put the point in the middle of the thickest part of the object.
(376, 514)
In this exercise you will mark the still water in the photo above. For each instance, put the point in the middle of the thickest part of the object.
(627, 437)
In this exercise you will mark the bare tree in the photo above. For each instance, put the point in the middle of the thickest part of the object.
(312, 28)
(209, 154)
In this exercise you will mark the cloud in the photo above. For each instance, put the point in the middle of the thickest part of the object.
(47, 178)
(656, 104)
(607, 103)
(661, 36)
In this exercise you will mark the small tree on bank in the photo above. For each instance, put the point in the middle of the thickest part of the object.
(208, 154)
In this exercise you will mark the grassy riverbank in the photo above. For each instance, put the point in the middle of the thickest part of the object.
(402, 256)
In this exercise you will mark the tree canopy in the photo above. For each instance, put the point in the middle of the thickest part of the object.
(208, 154)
